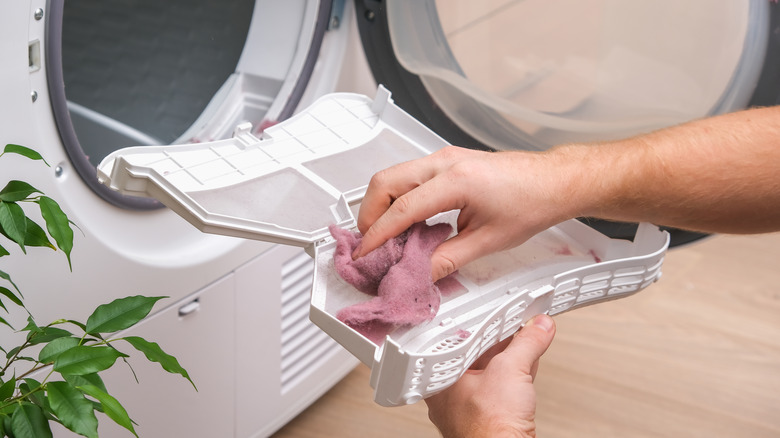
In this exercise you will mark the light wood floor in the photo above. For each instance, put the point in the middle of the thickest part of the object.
(695, 355)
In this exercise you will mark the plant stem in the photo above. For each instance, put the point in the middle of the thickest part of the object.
(21, 397)
(34, 369)
(13, 358)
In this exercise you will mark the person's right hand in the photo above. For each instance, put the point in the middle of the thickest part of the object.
(504, 198)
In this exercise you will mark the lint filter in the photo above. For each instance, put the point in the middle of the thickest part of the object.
(312, 170)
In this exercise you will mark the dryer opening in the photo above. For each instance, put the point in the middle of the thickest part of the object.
(151, 73)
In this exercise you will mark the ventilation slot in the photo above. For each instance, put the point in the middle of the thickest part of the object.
(304, 345)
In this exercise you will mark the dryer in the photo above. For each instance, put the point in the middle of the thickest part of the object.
(80, 79)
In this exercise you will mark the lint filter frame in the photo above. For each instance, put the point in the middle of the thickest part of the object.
(310, 171)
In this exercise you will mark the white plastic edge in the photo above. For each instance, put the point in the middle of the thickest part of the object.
(400, 377)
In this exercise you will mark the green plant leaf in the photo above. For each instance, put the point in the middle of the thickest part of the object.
(7, 424)
(47, 334)
(120, 314)
(56, 347)
(28, 387)
(58, 224)
(154, 353)
(10, 295)
(36, 236)
(84, 359)
(28, 421)
(3, 251)
(80, 325)
(16, 191)
(9, 409)
(7, 278)
(7, 389)
(32, 382)
(12, 352)
(25, 151)
(13, 222)
(111, 407)
(32, 326)
(2, 320)
(93, 379)
(70, 406)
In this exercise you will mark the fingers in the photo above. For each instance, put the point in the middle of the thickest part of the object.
(410, 192)
(530, 343)
(416, 205)
(458, 251)
(482, 362)
(537, 333)
(388, 185)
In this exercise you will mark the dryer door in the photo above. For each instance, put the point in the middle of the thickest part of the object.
(532, 74)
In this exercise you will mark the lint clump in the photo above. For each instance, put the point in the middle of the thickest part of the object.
(397, 275)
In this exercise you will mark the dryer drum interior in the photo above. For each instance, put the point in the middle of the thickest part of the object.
(148, 73)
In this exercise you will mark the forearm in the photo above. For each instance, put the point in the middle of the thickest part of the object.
(720, 174)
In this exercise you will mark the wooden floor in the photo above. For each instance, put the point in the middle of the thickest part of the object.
(695, 355)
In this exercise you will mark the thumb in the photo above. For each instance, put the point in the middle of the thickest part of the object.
(530, 343)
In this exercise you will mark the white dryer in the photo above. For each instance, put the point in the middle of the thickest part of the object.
(80, 79)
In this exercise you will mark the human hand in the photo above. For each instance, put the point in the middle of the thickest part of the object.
(504, 198)
(496, 396)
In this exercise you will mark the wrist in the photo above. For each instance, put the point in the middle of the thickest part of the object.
(579, 186)
(600, 180)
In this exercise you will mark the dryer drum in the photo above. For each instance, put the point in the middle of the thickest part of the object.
(144, 73)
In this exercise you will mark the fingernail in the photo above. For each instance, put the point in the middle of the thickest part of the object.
(543, 321)
(356, 252)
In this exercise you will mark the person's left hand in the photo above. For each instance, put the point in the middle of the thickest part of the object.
(496, 396)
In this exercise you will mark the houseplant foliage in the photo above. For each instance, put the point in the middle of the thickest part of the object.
(65, 356)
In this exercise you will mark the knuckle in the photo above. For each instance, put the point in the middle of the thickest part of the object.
(448, 151)
(403, 206)
(451, 153)
(379, 179)
(446, 266)
(363, 224)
